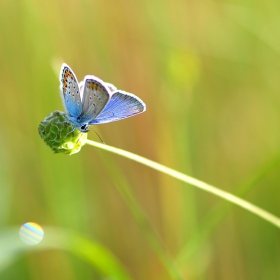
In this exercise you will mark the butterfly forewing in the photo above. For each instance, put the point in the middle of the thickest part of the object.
(121, 105)
(95, 97)
(70, 91)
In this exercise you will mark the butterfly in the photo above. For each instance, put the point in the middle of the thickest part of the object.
(93, 101)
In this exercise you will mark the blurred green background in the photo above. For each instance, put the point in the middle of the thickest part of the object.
(208, 72)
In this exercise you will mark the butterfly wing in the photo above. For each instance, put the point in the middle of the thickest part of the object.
(121, 105)
(95, 97)
(70, 93)
(111, 87)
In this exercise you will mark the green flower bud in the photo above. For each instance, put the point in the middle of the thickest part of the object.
(59, 134)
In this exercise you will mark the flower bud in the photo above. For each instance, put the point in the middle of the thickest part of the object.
(60, 135)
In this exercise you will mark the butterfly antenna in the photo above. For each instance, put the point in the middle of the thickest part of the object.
(98, 136)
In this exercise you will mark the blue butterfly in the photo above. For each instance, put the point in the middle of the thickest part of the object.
(93, 101)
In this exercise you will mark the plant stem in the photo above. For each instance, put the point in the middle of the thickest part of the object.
(192, 181)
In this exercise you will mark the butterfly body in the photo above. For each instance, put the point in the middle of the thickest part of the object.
(93, 101)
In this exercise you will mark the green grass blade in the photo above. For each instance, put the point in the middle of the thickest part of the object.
(87, 249)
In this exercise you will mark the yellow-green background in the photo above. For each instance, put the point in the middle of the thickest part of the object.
(208, 72)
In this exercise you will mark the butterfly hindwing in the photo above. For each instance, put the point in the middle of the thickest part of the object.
(70, 92)
(111, 87)
(95, 96)
(121, 105)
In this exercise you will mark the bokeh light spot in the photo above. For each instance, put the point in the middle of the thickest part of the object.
(31, 233)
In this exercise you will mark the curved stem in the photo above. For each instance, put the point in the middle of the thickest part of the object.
(192, 181)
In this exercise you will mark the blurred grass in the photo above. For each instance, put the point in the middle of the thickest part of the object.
(58, 239)
(209, 74)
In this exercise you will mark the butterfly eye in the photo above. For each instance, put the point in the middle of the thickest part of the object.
(84, 128)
